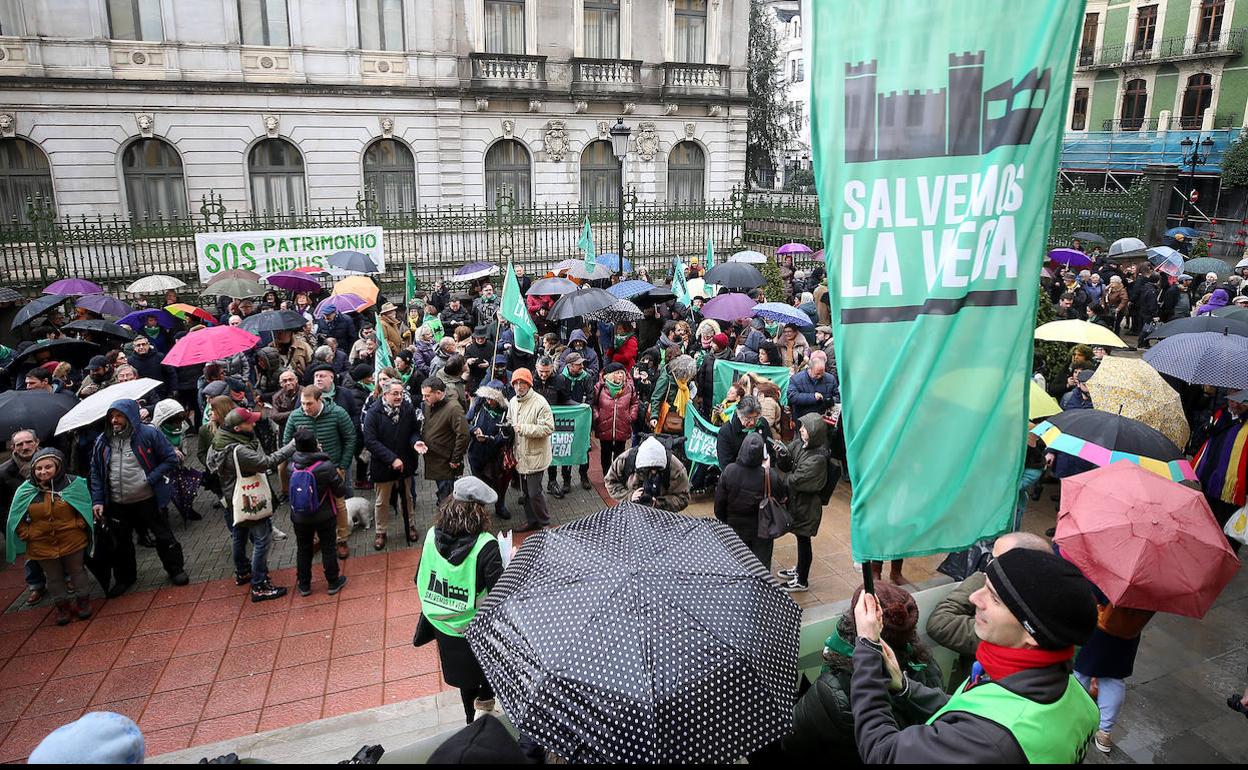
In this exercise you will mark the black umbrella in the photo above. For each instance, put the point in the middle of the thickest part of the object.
(1232, 311)
(1203, 358)
(735, 275)
(656, 296)
(273, 321)
(35, 308)
(1200, 323)
(1090, 238)
(9, 295)
(1113, 431)
(34, 409)
(584, 300)
(98, 326)
(77, 352)
(354, 261)
(638, 635)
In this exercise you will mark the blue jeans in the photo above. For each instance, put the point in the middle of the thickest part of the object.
(1110, 695)
(261, 536)
(35, 580)
(445, 487)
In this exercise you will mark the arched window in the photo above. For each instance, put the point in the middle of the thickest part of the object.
(507, 165)
(390, 176)
(276, 170)
(24, 173)
(600, 176)
(686, 170)
(1134, 105)
(1196, 99)
(154, 183)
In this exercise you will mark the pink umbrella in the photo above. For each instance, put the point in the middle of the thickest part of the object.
(210, 345)
(794, 248)
(1146, 542)
(293, 280)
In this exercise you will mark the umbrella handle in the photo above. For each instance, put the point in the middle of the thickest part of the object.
(868, 579)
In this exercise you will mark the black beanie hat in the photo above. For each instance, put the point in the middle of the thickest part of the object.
(305, 440)
(484, 742)
(1050, 596)
(614, 366)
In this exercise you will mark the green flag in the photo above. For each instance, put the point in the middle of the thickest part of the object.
(586, 245)
(728, 372)
(511, 308)
(382, 358)
(701, 438)
(710, 262)
(679, 287)
(410, 286)
(936, 148)
(569, 444)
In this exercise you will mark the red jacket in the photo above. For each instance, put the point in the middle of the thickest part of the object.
(627, 354)
(613, 417)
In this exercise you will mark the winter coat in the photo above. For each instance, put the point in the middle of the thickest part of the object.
(593, 364)
(446, 434)
(342, 328)
(1116, 298)
(332, 427)
(732, 435)
(802, 390)
(795, 355)
(49, 523)
(228, 445)
(675, 489)
(394, 338)
(741, 486)
(455, 318)
(329, 485)
(952, 624)
(484, 355)
(387, 441)
(534, 423)
(151, 365)
(806, 480)
(625, 354)
(614, 417)
(749, 351)
(705, 378)
(456, 389)
(153, 450)
(554, 388)
(485, 455)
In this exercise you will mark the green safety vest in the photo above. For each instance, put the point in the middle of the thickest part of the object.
(448, 592)
(1048, 733)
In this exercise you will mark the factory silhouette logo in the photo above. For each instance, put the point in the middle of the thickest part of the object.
(959, 120)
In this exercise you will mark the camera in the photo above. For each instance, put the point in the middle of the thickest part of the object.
(650, 487)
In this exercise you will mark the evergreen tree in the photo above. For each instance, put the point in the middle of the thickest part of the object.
(771, 115)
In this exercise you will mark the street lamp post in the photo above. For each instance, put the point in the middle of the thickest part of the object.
(1192, 157)
(619, 146)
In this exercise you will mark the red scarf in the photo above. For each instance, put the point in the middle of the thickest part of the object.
(1000, 662)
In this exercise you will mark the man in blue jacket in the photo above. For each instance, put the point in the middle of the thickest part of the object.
(815, 390)
(130, 465)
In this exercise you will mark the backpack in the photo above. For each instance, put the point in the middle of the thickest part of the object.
(305, 498)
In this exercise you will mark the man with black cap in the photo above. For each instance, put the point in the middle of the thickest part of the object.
(1020, 704)
(99, 376)
(478, 357)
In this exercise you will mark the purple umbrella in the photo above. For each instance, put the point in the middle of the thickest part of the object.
(474, 270)
(68, 287)
(729, 307)
(343, 303)
(104, 305)
(1069, 258)
(794, 248)
(292, 280)
(137, 319)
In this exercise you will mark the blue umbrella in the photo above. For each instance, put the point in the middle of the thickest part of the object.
(1186, 232)
(782, 313)
(1203, 358)
(354, 261)
(626, 289)
(137, 319)
(612, 262)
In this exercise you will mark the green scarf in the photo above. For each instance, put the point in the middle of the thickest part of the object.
(575, 378)
(612, 388)
(620, 341)
(75, 493)
(152, 331)
(838, 645)
(174, 438)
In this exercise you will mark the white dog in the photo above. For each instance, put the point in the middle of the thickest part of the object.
(360, 512)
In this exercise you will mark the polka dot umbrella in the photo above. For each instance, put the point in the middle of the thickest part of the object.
(620, 310)
(639, 635)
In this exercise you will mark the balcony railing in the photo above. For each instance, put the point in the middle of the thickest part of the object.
(1167, 49)
(606, 75)
(508, 70)
(1174, 123)
(694, 79)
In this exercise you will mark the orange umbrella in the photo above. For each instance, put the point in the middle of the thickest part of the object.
(360, 285)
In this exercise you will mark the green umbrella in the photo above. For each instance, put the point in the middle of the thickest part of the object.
(236, 288)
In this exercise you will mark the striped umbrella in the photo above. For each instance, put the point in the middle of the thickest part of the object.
(1103, 438)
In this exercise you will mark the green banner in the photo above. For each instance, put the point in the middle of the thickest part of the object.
(569, 444)
(936, 144)
(700, 439)
(728, 372)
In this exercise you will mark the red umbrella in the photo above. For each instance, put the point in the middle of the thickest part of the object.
(210, 345)
(1146, 542)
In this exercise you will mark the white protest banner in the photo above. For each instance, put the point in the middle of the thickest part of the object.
(272, 251)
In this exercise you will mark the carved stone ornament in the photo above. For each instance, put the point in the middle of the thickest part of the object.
(715, 110)
(691, 128)
(630, 108)
(8, 124)
(556, 140)
(387, 126)
(483, 104)
(271, 125)
(146, 122)
(647, 141)
(509, 128)
(670, 108)
(604, 129)
(535, 105)
(580, 107)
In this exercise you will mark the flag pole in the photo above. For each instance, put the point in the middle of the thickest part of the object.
(868, 578)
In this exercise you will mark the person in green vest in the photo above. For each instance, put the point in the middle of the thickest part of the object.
(1020, 704)
(459, 565)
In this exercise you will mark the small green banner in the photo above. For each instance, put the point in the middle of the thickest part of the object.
(569, 444)
(700, 439)
(728, 372)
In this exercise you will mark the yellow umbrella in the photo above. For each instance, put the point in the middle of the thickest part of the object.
(1132, 388)
(359, 285)
(1041, 404)
(1079, 332)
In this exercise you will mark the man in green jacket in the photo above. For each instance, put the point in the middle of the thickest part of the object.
(336, 433)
